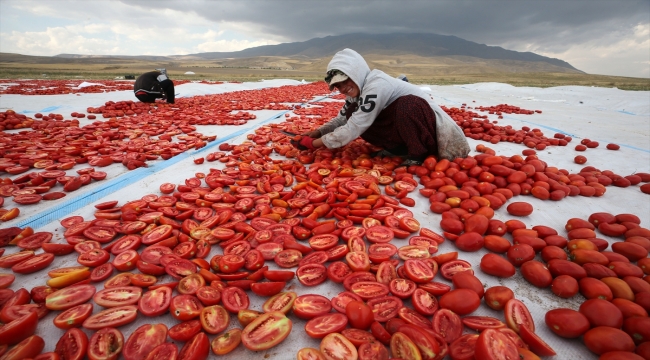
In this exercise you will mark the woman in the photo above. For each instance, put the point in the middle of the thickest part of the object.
(154, 85)
(386, 112)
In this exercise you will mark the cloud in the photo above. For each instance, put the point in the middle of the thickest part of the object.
(605, 37)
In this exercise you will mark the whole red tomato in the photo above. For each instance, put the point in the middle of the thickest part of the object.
(359, 314)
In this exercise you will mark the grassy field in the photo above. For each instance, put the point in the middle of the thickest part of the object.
(435, 73)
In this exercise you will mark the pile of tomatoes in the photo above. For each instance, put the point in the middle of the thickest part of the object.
(58, 87)
(333, 216)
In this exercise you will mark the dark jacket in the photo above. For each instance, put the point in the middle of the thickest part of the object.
(154, 85)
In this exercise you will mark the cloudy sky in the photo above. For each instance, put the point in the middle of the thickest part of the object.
(595, 36)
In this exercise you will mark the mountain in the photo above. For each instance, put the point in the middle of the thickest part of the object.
(424, 45)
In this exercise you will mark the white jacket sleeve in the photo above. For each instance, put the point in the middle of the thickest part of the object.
(371, 102)
(339, 120)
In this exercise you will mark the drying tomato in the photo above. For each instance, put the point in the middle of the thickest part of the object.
(19, 329)
(226, 342)
(567, 323)
(112, 317)
(143, 340)
(197, 348)
(337, 347)
(460, 301)
(185, 307)
(72, 345)
(28, 348)
(33, 264)
(320, 326)
(493, 345)
(424, 302)
(385, 308)
(359, 314)
(73, 317)
(517, 315)
(268, 330)
(118, 296)
(105, 344)
(214, 319)
(268, 288)
(496, 297)
(69, 297)
(163, 351)
(402, 347)
(310, 306)
(185, 331)
(537, 345)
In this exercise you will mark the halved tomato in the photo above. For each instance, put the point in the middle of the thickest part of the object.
(320, 326)
(143, 340)
(226, 342)
(69, 297)
(118, 296)
(310, 306)
(155, 302)
(266, 331)
(493, 345)
(517, 315)
(72, 344)
(73, 317)
(214, 319)
(112, 317)
(105, 344)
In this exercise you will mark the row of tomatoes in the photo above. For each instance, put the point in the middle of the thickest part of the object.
(101, 144)
(399, 337)
(57, 87)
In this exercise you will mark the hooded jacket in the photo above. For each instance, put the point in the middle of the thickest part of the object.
(377, 91)
(155, 85)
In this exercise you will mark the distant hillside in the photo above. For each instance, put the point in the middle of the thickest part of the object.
(425, 45)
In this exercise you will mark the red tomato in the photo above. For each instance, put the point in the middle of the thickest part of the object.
(281, 302)
(460, 301)
(234, 299)
(447, 324)
(28, 348)
(105, 344)
(112, 317)
(567, 323)
(73, 317)
(493, 345)
(537, 345)
(268, 330)
(19, 329)
(268, 288)
(359, 314)
(604, 339)
(426, 344)
(601, 312)
(402, 347)
(320, 326)
(33, 264)
(72, 345)
(452, 267)
(197, 348)
(464, 347)
(424, 302)
(143, 340)
(227, 342)
(310, 306)
(163, 351)
(385, 307)
(69, 297)
(311, 274)
(496, 265)
(185, 307)
(338, 347)
(496, 297)
(214, 319)
(118, 296)
(184, 331)
(155, 302)
(517, 315)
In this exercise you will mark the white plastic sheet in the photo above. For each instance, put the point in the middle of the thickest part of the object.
(604, 115)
